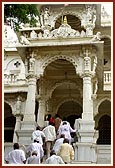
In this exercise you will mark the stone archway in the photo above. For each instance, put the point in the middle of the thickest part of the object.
(9, 123)
(69, 111)
(104, 122)
(104, 127)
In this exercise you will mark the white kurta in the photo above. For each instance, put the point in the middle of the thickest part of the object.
(35, 147)
(37, 134)
(50, 133)
(54, 160)
(33, 160)
(16, 156)
(57, 144)
(66, 130)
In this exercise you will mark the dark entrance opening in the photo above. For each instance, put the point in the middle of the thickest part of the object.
(71, 119)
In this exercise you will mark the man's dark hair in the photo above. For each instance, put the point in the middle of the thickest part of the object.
(35, 140)
(62, 136)
(64, 123)
(38, 128)
(16, 146)
(52, 153)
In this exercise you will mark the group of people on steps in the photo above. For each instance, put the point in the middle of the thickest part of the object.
(50, 145)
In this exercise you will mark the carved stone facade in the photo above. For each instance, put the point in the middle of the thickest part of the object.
(59, 70)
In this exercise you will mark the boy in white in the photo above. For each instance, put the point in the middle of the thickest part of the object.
(16, 156)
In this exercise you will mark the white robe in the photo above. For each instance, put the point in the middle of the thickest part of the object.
(66, 130)
(57, 144)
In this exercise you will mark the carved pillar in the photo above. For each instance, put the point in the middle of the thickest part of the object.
(87, 88)
(18, 114)
(42, 102)
(28, 124)
(30, 102)
(85, 147)
(17, 127)
(29, 115)
(87, 100)
(41, 111)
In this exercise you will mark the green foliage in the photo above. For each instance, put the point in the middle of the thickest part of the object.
(20, 13)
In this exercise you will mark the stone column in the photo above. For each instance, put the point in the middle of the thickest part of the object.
(18, 114)
(28, 124)
(30, 102)
(41, 111)
(17, 127)
(85, 147)
(87, 100)
(29, 115)
(87, 88)
(42, 102)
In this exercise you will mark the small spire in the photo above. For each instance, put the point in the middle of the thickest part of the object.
(65, 20)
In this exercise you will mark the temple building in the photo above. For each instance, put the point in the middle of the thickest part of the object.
(61, 66)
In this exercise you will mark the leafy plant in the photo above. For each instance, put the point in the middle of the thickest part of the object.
(15, 14)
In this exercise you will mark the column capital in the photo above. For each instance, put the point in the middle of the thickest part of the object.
(87, 74)
(31, 75)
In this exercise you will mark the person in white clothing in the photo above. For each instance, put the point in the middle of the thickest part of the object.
(66, 129)
(39, 135)
(54, 159)
(50, 134)
(33, 159)
(16, 156)
(35, 146)
(58, 142)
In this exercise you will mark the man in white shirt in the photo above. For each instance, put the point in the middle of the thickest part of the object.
(16, 156)
(33, 159)
(54, 159)
(39, 135)
(50, 134)
(35, 146)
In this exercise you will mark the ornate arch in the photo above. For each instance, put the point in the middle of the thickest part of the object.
(56, 57)
(98, 115)
(102, 100)
(66, 100)
(57, 84)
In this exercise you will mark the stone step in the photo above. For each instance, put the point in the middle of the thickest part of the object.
(81, 162)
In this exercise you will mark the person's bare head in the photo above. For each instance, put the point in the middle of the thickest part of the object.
(62, 136)
(16, 146)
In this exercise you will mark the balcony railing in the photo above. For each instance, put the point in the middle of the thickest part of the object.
(10, 78)
(107, 76)
(107, 80)
(13, 79)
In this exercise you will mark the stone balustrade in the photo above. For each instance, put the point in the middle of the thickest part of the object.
(107, 80)
(10, 78)
(107, 76)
